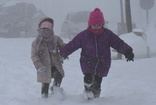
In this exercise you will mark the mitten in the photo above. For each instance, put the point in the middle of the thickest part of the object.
(41, 68)
(129, 55)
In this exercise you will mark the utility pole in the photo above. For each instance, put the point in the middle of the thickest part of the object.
(122, 16)
(119, 55)
(128, 16)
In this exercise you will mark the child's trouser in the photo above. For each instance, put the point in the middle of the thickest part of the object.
(92, 83)
(57, 81)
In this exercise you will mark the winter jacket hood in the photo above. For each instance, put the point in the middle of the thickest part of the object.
(46, 19)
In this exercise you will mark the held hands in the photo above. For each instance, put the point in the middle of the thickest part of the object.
(129, 55)
(42, 69)
(62, 59)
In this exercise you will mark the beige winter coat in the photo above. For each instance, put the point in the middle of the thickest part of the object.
(46, 60)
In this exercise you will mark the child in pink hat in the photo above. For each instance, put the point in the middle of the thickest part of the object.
(95, 43)
(96, 21)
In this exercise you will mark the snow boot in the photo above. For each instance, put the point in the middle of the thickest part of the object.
(96, 90)
(55, 89)
(44, 91)
(88, 82)
(96, 93)
(96, 87)
(57, 92)
(88, 94)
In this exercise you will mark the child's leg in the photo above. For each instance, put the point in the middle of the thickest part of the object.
(92, 83)
(57, 77)
(88, 81)
(96, 87)
(44, 91)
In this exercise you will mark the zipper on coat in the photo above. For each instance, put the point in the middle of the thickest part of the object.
(97, 56)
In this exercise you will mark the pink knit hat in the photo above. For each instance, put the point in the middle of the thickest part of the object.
(96, 17)
(46, 24)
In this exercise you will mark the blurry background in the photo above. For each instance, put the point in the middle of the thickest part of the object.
(59, 9)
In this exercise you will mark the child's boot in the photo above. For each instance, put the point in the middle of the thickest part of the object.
(44, 91)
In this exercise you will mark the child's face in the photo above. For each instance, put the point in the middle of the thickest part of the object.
(46, 24)
(96, 26)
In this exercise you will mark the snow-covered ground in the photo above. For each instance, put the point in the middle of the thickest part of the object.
(128, 83)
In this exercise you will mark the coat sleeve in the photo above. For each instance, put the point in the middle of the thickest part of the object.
(118, 44)
(60, 42)
(72, 46)
(34, 57)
